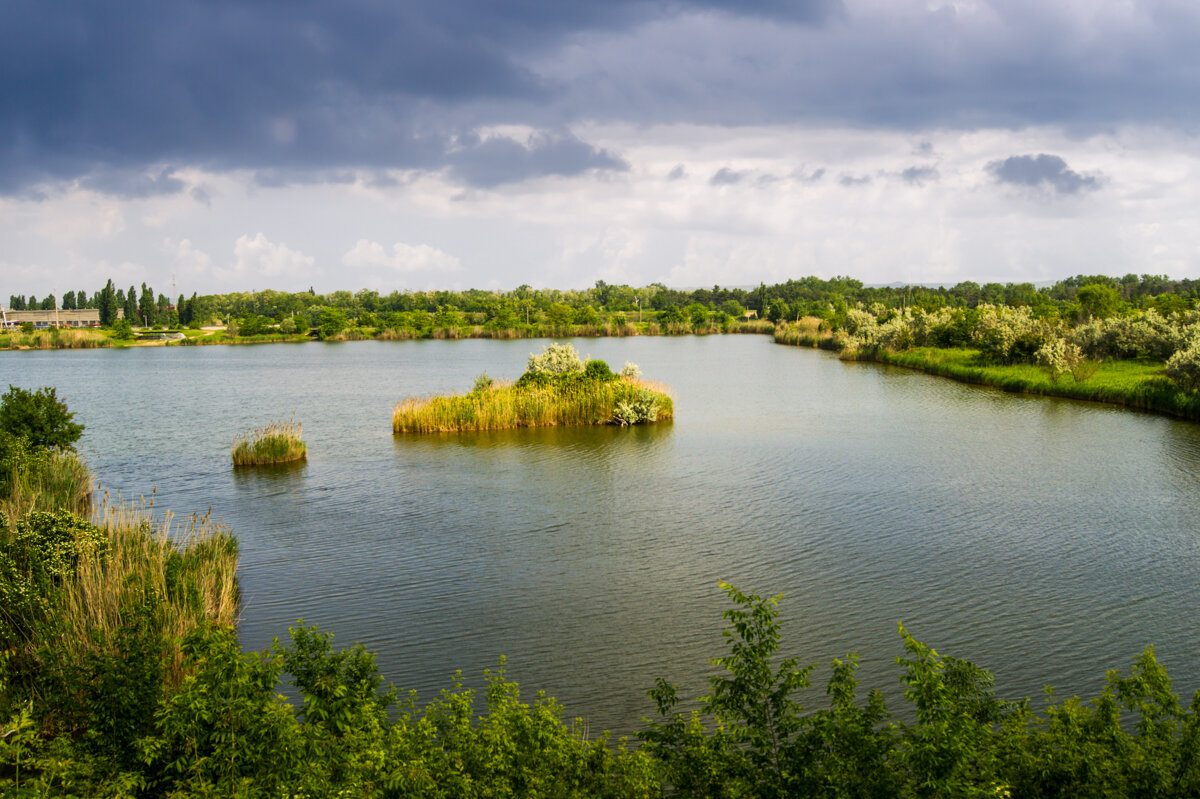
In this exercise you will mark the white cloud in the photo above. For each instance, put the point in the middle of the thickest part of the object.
(260, 256)
(402, 258)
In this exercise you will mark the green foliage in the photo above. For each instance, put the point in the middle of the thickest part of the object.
(331, 322)
(39, 417)
(642, 407)
(482, 383)
(630, 369)
(122, 330)
(598, 370)
(1184, 366)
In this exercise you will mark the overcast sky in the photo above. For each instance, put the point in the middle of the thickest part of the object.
(471, 143)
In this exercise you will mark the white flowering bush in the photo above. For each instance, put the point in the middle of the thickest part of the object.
(643, 407)
(1009, 335)
(555, 359)
(631, 369)
(1150, 334)
(1061, 356)
(1184, 366)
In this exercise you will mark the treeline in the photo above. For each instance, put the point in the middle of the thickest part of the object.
(606, 303)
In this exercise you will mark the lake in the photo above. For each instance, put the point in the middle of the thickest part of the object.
(1046, 540)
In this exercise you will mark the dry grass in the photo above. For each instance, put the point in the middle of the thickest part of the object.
(508, 405)
(278, 442)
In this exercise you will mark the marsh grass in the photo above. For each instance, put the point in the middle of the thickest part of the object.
(115, 617)
(806, 332)
(64, 339)
(46, 481)
(278, 442)
(1136, 383)
(507, 405)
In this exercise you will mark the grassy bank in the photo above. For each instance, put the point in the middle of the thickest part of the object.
(55, 339)
(1134, 383)
(579, 402)
(42, 480)
(278, 442)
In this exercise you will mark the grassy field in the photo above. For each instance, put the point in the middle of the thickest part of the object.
(278, 442)
(1134, 383)
(503, 406)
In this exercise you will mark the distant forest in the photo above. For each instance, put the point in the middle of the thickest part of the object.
(808, 296)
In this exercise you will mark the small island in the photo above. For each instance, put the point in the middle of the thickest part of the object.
(558, 388)
(278, 442)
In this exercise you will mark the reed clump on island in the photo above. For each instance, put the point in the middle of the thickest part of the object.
(558, 388)
(278, 442)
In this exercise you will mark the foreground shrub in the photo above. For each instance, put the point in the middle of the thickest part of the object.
(33, 479)
(39, 417)
(555, 359)
(278, 442)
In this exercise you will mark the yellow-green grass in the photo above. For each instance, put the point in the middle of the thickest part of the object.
(64, 339)
(1136, 383)
(278, 442)
(806, 332)
(507, 406)
(46, 481)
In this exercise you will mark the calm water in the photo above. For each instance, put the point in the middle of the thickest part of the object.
(1046, 540)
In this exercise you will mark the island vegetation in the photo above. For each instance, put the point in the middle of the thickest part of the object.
(120, 675)
(557, 388)
(277, 442)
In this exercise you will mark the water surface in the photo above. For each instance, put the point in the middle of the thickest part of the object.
(1045, 539)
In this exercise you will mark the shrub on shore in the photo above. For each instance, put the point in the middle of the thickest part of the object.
(278, 442)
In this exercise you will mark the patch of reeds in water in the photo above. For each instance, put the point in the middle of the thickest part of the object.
(278, 442)
(507, 406)
(806, 332)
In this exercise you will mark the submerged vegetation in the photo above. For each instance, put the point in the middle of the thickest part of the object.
(278, 442)
(558, 388)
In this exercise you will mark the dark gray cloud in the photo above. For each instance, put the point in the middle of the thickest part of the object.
(1042, 170)
(93, 88)
(104, 86)
(499, 159)
(854, 180)
(133, 185)
(726, 177)
(919, 175)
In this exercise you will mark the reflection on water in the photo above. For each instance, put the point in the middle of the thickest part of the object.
(1047, 540)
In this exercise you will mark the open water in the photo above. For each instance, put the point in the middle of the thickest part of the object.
(1046, 540)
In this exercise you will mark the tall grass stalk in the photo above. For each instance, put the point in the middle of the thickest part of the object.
(278, 442)
(507, 406)
(47, 481)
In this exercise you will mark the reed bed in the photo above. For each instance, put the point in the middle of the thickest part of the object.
(46, 481)
(806, 332)
(508, 405)
(63, 339)
(278, 442)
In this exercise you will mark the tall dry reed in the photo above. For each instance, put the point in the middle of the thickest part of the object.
(508, 405)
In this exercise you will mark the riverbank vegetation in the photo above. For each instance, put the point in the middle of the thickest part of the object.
(277, 442)
(39, 470)
(557, 388)
(1106, 350)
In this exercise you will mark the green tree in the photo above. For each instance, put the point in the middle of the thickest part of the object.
(122, 330)
(131, 305)
(1098, 301)
(107, 305)
(147, 310)
(40, 417)
(331, 322)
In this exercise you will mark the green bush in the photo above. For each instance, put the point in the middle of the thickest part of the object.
(39, 417)
(598, 370)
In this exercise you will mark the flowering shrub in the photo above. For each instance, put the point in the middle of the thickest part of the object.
(1061, 356)
(1184, 366)
(1009, 335)
(1150, 335)
(555, 359)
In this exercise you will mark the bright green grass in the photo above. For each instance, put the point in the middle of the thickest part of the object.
(1135, 383)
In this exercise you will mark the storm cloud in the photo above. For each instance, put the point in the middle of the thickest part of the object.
(92, 89)
(1042, 170)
